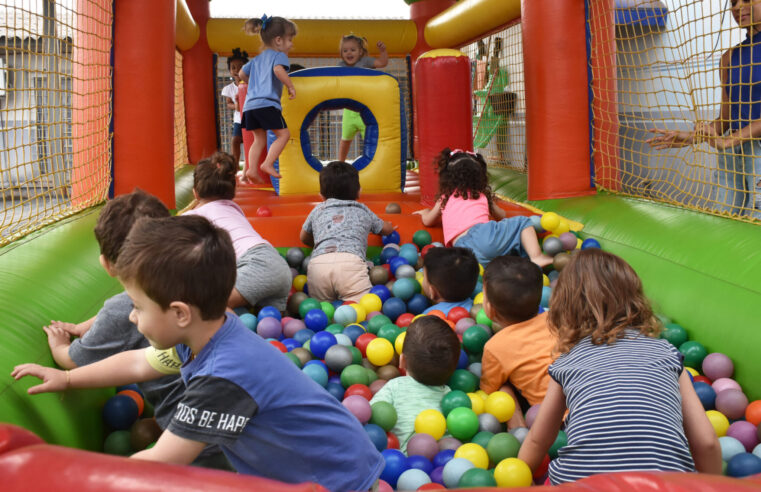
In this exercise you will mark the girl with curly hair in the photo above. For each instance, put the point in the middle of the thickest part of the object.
(465, 206)
(631, 405)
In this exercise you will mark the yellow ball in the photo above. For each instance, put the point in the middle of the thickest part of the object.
(692, 371)
(361, 313)
(431, 422)
(719, 422)
(399, 342)
(473, 453)
(563, 227)
(480, 269)
(549, 221)
(380, 351)
(545, 280)
(479, 299)
(419, 277)
(512, 472)
(501, 405)
(299, 281)
(578, 243)
(371, 302)
(476, 403)
(482, 394)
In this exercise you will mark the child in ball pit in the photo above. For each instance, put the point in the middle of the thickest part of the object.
(429, 355)
(449, 277)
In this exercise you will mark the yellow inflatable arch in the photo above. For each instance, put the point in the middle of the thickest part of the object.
(376, 96)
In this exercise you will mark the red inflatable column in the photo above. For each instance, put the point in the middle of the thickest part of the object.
(144, 98)
(198, 77)
(444, 111)
(557, 99)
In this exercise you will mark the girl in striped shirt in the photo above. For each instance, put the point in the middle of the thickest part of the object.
(631, 406)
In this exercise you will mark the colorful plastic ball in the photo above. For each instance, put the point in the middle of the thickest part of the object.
(477, 477)
(299, 281)
(345, 315)
(753, 412)
(409, 252)
(560, 441)
(706, 394)
(383, 486)
(474, 339)
(377, 436)
(730, 447)
(317, 373)
(394, 307)
(307, 305)
(353, 331)
(294, 257)
(674, 333)
(531, 414)
(399, 342)
(431, 422)
(412, 479)
(321, 342)
(482, 319)
(406, 271)
(118, 443)
(569, 240)
(422, 238)
(336, 390)
(437, 477)
(380, 351)
(269, 328)
(249, 320)
(292, 326)
(359, 407)
(404, 289)
(590, 243)
(693, 352)
(520, 433)
(501, 446)
(454, 470)
(384, 416)
(443, 457)
(395, 262)
(552, 246)
(417, 304)
(337, 357)
(476, 403)
(263, 211)
(422, 444)
(546, 294)
(463, 380)
(419, 462)
(404, 320)
(449, 442)
(378, 275)
(463, 324)
(392, 441)
(501, 405)
(143, 433)
(718, 421)
(120, 412)
(512, 472)
(363, 341)
(303, 336)
(731, 403)
(381, 291)
(462, 423)
(269, 312)
(473, 453)
(361, 312)
(454, 399)
(392, 238)
(717, 365)
(371, 302)
(745, 432)
(488, 423)
(354, 374)
(395, 464)
(328, 309)
(393, 208)
(389, 332)
(744, 465)
(549, 221)
(723, 384)
(757, 450)
(316, 319)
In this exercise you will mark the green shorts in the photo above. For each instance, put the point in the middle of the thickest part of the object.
(351, 124)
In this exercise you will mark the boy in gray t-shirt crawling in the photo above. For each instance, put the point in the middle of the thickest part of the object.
(338, 229)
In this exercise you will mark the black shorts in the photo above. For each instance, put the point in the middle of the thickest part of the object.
(269, 118)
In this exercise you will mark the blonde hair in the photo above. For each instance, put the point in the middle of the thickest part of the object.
(270, 28)
(598, 295)
(361, 42)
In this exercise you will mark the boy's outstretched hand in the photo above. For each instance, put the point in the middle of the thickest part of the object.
(52, 379)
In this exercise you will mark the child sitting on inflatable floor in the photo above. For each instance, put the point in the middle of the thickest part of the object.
(337, 229)
(449, 278)
(430, 353)
(464, 206)
(269, 417)
(516, 358)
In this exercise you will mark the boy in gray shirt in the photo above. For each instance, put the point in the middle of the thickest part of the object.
(338, 229)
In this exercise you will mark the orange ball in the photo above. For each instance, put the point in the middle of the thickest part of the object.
(138, 399)
(753, 412)
(437, 313)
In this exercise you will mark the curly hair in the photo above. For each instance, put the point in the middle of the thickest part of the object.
(214, 177)
(598, 295)
(237, 55)
(462, 174)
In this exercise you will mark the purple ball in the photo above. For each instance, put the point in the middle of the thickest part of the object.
(717, 366)
(359, 407)
(531, 414)
(269, 328)
(291, 326)
(722, 384)
(423, 445)
(449, 443)
(569, 240)
(745, 432)
(463, 324)
(731, 403)
(437, 475)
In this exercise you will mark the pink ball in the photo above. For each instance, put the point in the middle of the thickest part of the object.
(376, 385)
(717, 366)
(745, 432)
(383, 486)
(359, 407)
(372, 314)
(269, 328)
(731, 403)
(422, 444)
(569, 240)
(291, 326)
(531, 415)
(722, 384)
(449, 443)
(463, 324)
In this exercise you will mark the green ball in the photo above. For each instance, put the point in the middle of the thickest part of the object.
(376, 260)
(307, 305)
(328, 309)
(354, 374)
(371, 375)
(482, 319)
(335, 328)
(454, 399)
(118, 442)
(378, 321)
(472, 358)
(501, 446)
(474, 339)
(294, 359)
(560, 441)
(384, 415)
(482, 438)
(148, 410)
(675, 334)
(477, 477)
(693, 353)
(389, 332)
(356, 355)
(422, 238)
(463, 380)
(462, 423)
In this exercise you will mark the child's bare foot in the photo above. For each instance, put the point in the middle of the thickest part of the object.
(270, 169)
(253, 177)
(542, 260)
(243, 179)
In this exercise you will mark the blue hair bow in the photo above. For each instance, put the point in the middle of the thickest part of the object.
(265, 21)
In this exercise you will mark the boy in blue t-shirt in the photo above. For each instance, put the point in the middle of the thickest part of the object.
(449, 277)
(269, 418)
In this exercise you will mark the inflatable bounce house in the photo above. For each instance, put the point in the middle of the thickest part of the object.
(138, 78)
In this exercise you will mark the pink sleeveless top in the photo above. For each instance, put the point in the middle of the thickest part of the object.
(460, 215)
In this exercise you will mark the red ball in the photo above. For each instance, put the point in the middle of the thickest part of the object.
(541, 470)
(457, 313)
(392, 442)
(388, 269)
(346, 303)
(431, 486)
(279, 345)
(404, 320)
(426, 248)
(359, 389)
(362, 341)
(263, 212)
(701, 379)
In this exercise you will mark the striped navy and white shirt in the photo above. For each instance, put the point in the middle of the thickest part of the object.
(625, 409)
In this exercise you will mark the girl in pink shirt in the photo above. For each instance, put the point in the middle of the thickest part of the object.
(465, 208)
(263, 276)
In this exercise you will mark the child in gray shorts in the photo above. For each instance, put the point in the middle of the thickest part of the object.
(337, 229)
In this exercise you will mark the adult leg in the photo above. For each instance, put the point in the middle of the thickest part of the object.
(753, 179)
(260, 142)
(235, 144)
(281, 138)
(343, 149)
(730, 183)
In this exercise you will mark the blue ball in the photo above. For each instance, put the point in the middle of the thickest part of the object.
(417, 304)
(404, 288)
(316, 320)
(590, 243)
(409, 252)
(249, 320)
(290, 343)
(706, 394)
(392, 238)
(478, 289)
(335, 378)
(120, 412)
(536, 222)
(421, 463)
(336, 304)
(387, 254)
(132, 387)
(396, 262)
(377, 436)
(396, 463)
(240, 310)
(318, 373)
(553, 275)
(394, 307)
(315, 362)
(335, 389)
(463, 362)
(546, 293)
(443, 457)
(381, 291)
(302, 336)
(353, 332)
(321, 342)
(269, 312)
(744, 465)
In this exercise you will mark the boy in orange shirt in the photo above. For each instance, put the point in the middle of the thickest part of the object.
(516, 358)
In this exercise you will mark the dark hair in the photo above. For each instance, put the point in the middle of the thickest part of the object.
(214, 177)
(432, 350)
(513, 287)
(184, 258)
(339, 180)
(119, 215)
(452, 271)
(598, 294)
(270, 28)
(361, 41)
(294, 67)
(462, 174)
(237, 55)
